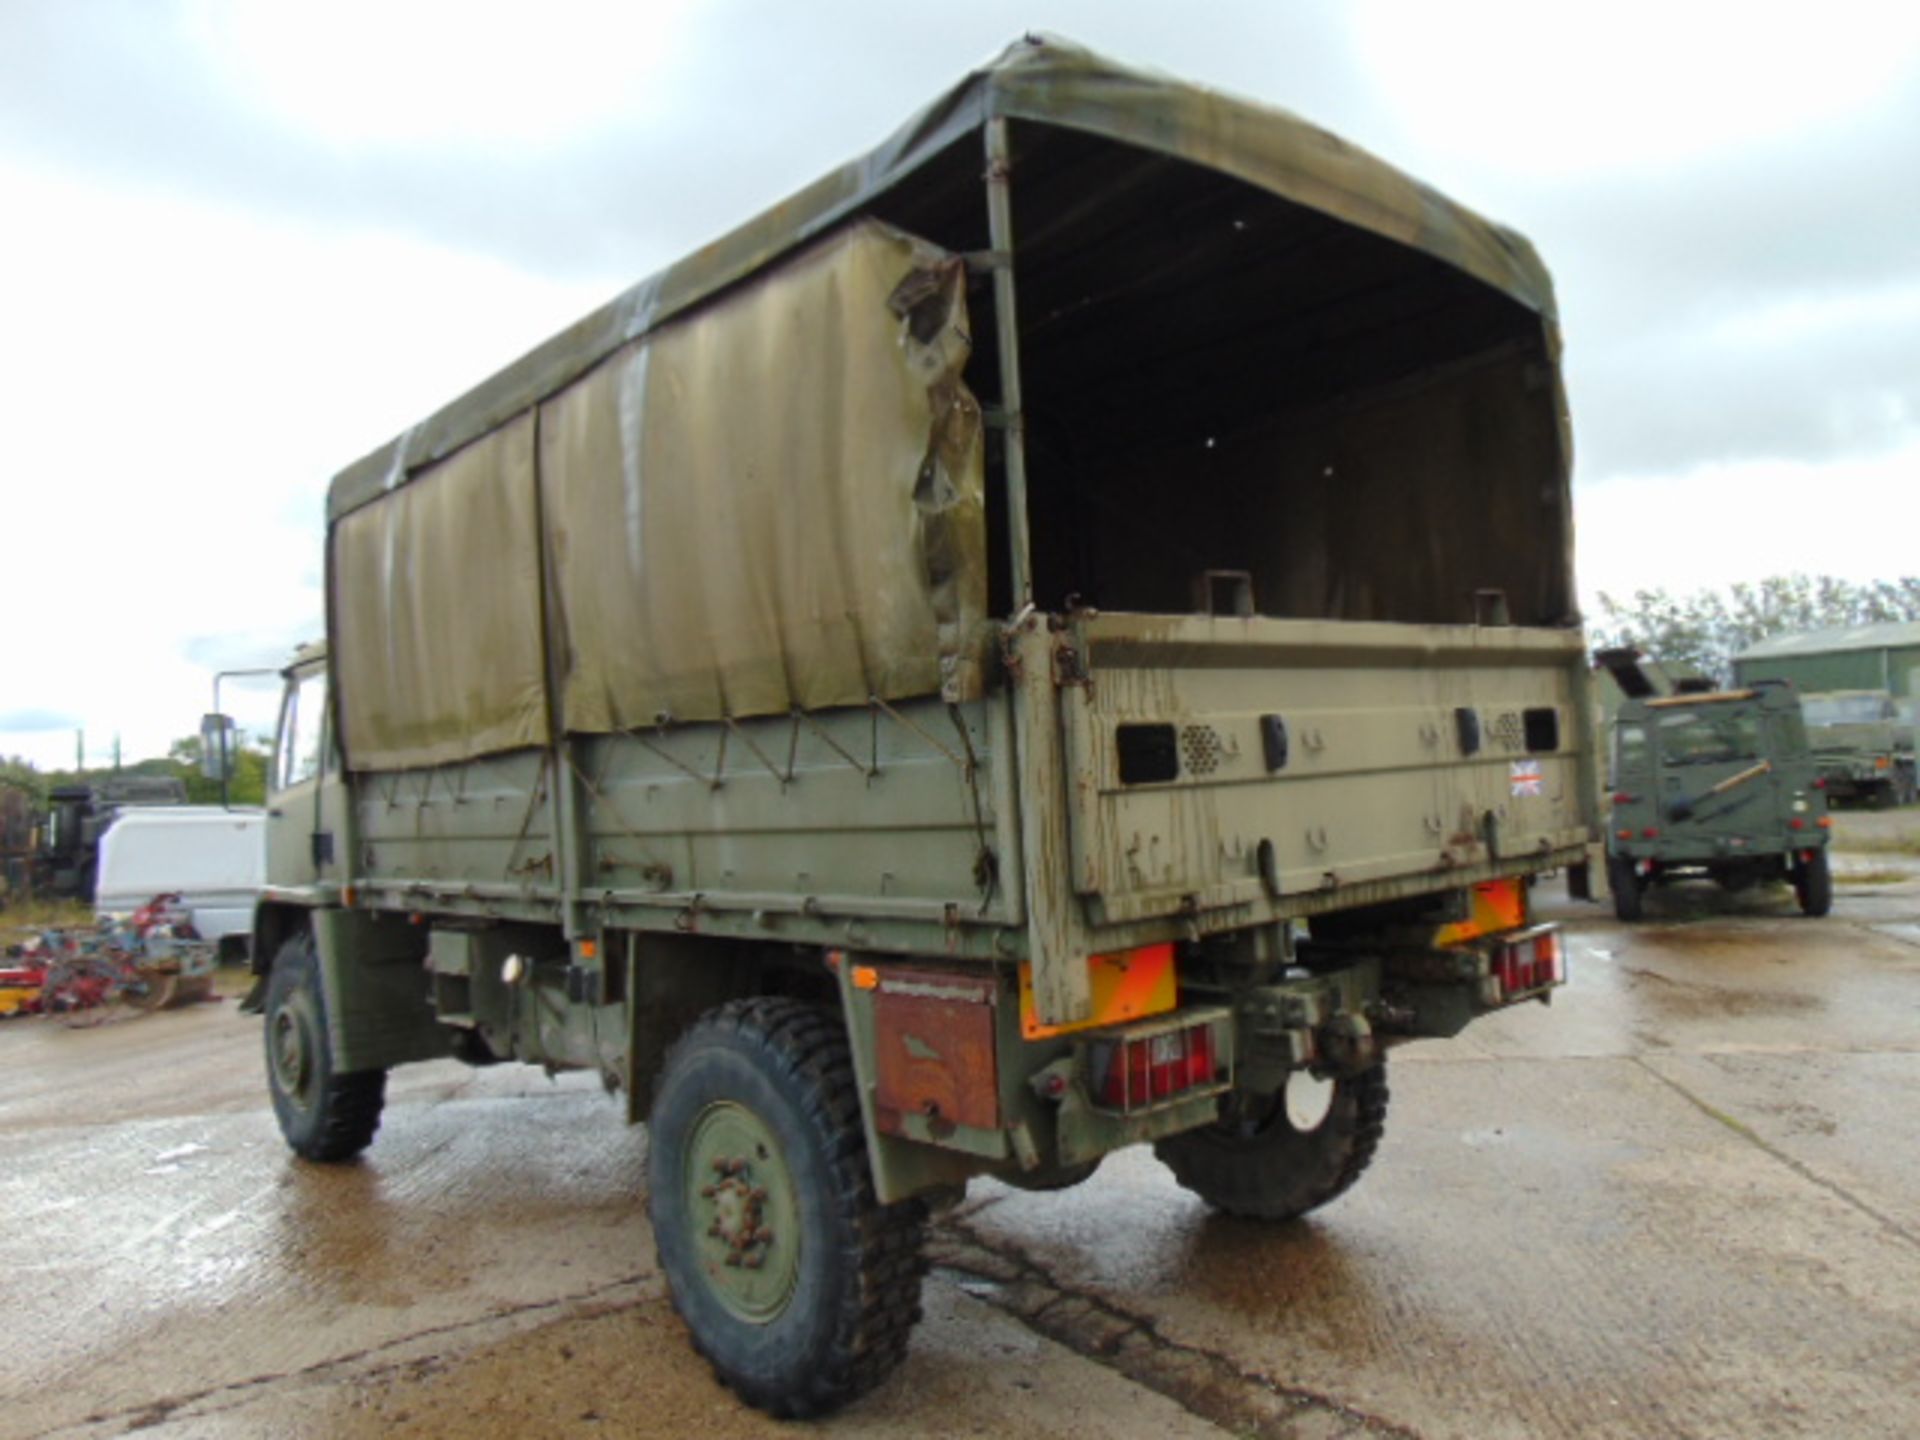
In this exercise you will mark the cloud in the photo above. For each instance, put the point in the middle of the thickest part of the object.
(217, 299)
(251, 648)
(1721, 523)
(726, 116)
(35, 721)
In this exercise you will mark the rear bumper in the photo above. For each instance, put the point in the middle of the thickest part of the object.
(1704, 853)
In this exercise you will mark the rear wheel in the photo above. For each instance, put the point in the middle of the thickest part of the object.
(323, 1116)
(1301, 1151)
(1623, 878)
(1813, 883)
(798, 1285)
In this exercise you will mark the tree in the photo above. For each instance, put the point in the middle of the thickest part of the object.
(248, 785)
(1708, 628)
(20, 775)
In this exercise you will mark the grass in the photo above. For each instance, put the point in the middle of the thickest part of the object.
(1880, 844)
(21, 918)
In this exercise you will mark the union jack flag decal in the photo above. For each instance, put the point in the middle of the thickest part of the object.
(1527, 779)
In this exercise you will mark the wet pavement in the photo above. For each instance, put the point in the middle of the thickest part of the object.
(1682, 1201)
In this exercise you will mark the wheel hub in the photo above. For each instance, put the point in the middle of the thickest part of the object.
(1308, 1099)
(738, 1212)
(741, 1203)
(292, 1051)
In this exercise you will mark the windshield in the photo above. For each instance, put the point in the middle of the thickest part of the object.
(1698, 737)
(1843, 709)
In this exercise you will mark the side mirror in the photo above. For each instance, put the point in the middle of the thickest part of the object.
(217, 744)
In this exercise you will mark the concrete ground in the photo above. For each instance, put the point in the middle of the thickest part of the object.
(1682, 1201)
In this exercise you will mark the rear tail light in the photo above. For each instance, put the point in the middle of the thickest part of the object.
(1651, 832)
(1821, 783)
(1136, 1072)
(1530, 963)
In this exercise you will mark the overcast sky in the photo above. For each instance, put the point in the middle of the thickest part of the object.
(242, 244)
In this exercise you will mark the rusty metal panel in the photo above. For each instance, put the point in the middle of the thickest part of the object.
(934, 1049)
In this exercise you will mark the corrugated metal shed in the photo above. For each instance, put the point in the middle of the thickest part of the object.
(1846, 657)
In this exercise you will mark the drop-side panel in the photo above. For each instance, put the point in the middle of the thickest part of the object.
(1220, 762)
(879, 811)
(794, 826)
(480, 827)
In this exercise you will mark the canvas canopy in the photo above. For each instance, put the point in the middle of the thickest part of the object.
(1041, 81)
(435, 598)
(1243, 343)
(776, 503)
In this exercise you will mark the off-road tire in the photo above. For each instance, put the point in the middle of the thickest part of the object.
(1267, 1169)
(324, 1116)
(786, 1068)
(1813, 884)
(1629, 902)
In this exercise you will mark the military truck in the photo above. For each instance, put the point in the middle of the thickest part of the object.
(1863, 743)
(1058, 636)
(1713, 783)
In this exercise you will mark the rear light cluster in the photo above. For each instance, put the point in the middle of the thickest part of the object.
(1137, 1072)
(1529, 963)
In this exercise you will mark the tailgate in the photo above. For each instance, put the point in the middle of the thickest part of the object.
(1221, 762)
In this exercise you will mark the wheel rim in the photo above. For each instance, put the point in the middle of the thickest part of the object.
(292, 1049)
(1308, 1101)
(740, 1204)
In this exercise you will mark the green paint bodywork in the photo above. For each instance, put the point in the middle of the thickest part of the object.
(1409, 716)
(1718, 783)
(1863, 743)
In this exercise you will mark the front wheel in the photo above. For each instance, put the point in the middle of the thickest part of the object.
(1813, 883)
(323, 1116)
(1304, 1149)
(796, 1284)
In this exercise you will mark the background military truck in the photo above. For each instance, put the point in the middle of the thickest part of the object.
(1059, 635)
(1863, 743)
(1715, 783)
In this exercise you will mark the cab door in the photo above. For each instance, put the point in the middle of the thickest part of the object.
(303, 794)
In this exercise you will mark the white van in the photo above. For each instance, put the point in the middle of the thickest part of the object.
(215, 858)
